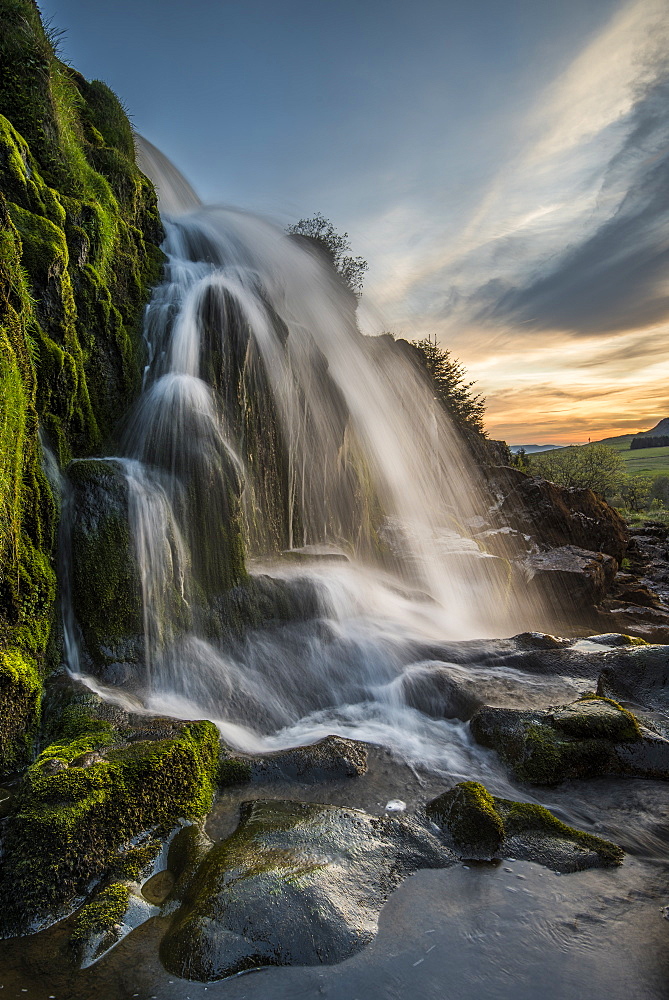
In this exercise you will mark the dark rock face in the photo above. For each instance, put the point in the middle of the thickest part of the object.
(106, 583)
(331, 757)
(554, 516)
(571, 576)
(296, 884)
(589, 738)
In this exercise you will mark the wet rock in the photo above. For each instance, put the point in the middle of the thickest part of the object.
(106, 584)
(483, 827)
(156, 889)
(296, 884)
(96, 786)
(616, 639)
(596, 717)
(641, 676)
(589, 738)
(648, 756)
(570, 576)
(7, 799)
(469, 815)
(330, 758)
(540, 640)
(109, 916)
(434, 689)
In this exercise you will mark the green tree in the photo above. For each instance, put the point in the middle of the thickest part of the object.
(335, 245)
(660, 489)
(591, 466)
(635, 492)
(448, 378)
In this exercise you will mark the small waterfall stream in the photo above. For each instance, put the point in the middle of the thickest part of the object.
(264, 408)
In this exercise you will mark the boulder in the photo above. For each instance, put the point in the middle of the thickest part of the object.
(555, 516)
(483, 827)
(437, 691)
(296, 884)
(330, 758)
(641, 675)
(104, 779)
(589, 738)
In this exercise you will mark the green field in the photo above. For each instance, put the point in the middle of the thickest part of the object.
(649, 461)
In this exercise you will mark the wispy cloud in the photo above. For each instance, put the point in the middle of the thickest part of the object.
(557, 282)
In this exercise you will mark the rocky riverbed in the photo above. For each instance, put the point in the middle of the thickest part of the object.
(333, 859)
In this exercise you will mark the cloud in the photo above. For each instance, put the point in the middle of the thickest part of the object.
(571, 232)
(619, 276)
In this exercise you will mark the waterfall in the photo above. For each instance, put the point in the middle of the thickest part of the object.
(270, 429)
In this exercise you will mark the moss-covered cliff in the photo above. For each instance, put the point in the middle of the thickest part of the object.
(79, 251)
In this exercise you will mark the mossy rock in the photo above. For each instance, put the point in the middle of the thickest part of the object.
(468, 813)
(589, 738)
(593, 717)
(20, 697)
(87, 796)
(106, 581)
(79, 253)
(481, 826)
(297, 884)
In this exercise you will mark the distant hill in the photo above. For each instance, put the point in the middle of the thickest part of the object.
(651, 461)
(532, 449)
(659, 430)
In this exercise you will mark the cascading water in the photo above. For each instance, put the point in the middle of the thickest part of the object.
(267, 422)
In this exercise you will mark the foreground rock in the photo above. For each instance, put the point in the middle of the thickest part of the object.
(483, 827)
(303, 884)
(589, 738)
(105, 778)
(296, 884)
(330, 758)
(641, 677)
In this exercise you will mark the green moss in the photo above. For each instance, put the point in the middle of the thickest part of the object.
(233, 770)
(468, 813)
(549, 758)
(79, 234)
(136, 862)
(599, 718)
(20, 696)
(479, 824)
(102, 913)
(526, 817)
(69, 824)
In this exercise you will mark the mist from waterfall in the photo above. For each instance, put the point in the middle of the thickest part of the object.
(263, 405)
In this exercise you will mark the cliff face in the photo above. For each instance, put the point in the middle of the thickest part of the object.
(79, 251)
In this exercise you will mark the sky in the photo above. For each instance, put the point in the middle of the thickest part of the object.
(503, 166)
